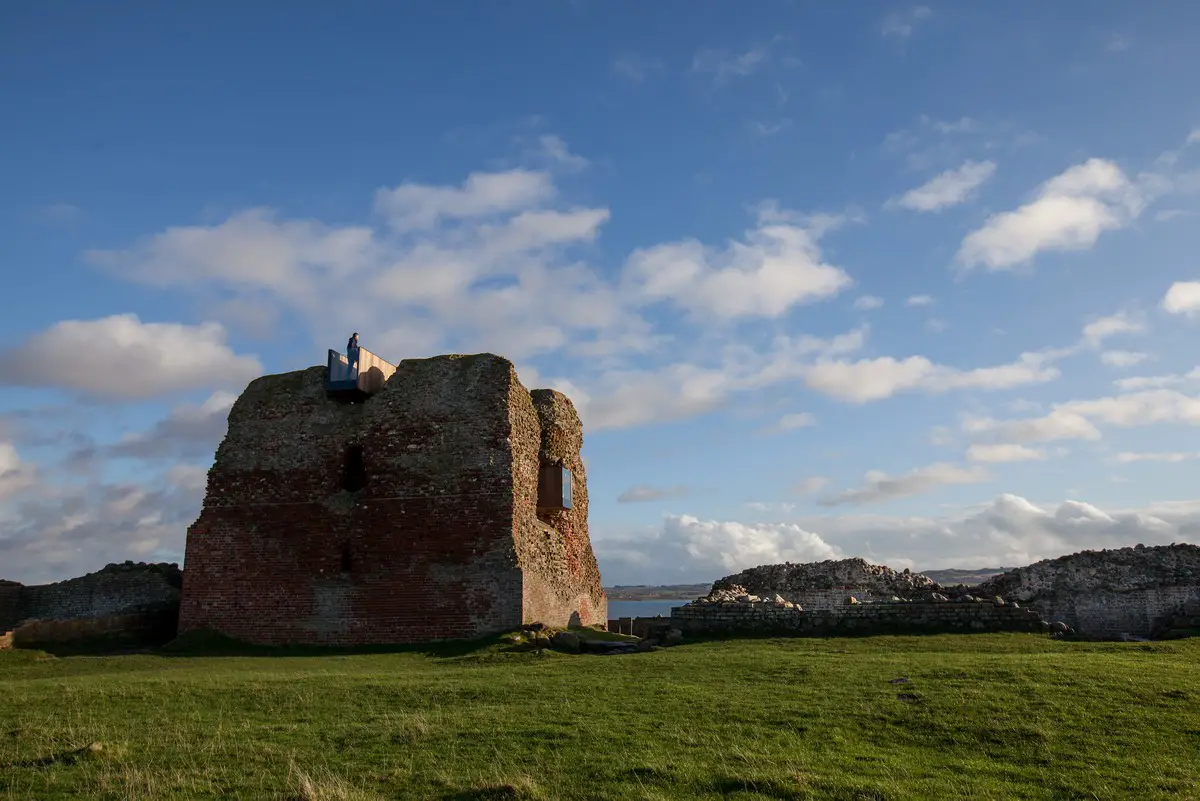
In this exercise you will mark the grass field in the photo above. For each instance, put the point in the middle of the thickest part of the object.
(981, 716)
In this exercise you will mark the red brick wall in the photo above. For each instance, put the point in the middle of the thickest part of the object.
(429, 537)
(441, 538)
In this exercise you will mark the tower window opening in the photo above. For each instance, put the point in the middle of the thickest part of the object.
(346, 562)
(354, 472)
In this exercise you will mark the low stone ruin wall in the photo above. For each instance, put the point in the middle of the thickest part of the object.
(136, 629)
(1104, 614)
(1182, 621)
(860, 618)
(130, 601)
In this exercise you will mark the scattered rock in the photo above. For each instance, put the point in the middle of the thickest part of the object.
(566, 641)
(901, 680)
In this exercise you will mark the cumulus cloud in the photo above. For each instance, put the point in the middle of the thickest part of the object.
(950, 188)
(1123, 358)
(1079, 419)
(1127, 457)
(1144, 382)
(1096, 331)
(1003, 452)
(919, 300)
(1008, 532)
(775, 268)
(189, 431)
(878, 487)
(1059, 424)
(413, 206)
(58, 530)
(644, 493)
(15, 475)
(122, 357)
(867, 302)
(1182, 298)
(869, 380)
(1068, 213)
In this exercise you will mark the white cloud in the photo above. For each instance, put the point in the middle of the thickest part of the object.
(122, 357)
(869, 380)
(1127, 457)
(1008, 532)
(919, 300)
(730, 545)
(1193, 137)
(1123, 358)
(900, 24)
(724, 66)
(866, 302)
(1096, 331)
(555, 150)
(189, 431)
(810, 485)
(776, 267)
(1182, 298)
(1139, 383)
(760, 506)
(251, 250)
(1079, 419)
(1058, 424)
(413, 206)
(643, 493)
(950, 188)
(790, 422)
(878, 487)
(1069, 213)
(15, 475)
(1004, 452)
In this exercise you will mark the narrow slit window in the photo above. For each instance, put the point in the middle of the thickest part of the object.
(354, 472)
(346, 562)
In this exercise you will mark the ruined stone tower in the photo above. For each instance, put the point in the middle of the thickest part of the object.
(412, 514)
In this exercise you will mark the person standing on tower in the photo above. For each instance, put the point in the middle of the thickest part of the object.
(352, 350)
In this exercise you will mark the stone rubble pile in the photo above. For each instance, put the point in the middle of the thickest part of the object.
(790, 580)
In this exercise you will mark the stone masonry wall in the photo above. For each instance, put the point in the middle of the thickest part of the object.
(1109, 593)
(420, 545)
(873, 618)
(117, 589)
(562, 578)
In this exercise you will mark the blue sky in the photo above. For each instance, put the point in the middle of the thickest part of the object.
(916, 283)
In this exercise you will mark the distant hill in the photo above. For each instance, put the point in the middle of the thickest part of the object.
(950, 577)
(660, 592)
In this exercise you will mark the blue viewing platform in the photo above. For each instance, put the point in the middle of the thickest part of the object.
(355, 381)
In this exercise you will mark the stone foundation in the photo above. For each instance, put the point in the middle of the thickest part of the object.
(731, 617)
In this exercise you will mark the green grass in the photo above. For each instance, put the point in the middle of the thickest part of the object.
(982, 716)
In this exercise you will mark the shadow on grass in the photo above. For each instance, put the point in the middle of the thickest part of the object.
(61, 758)
(213, 644)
